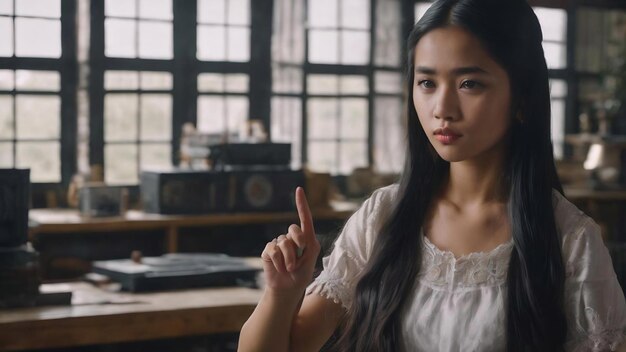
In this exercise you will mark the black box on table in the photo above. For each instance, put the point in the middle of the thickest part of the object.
(208, 192)
(14, 205)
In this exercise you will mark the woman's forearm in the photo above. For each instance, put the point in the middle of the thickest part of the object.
(269, 326)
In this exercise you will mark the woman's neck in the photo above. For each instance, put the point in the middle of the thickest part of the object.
(477, 181)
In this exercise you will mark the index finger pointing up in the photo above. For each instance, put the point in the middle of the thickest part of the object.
(304, 213)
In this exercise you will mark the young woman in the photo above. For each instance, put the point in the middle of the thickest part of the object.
(476, 248)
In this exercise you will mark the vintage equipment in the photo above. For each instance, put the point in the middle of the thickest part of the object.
(101, 201)
(14, 204)
(19, 276)
(207, 192)
(19, 262)
(247, 154)
(177, 271)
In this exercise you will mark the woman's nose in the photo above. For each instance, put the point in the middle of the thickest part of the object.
(447, 105)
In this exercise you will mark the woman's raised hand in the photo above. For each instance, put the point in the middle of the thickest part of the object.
(289, 259)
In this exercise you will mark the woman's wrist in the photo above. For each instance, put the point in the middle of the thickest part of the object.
(285, 296)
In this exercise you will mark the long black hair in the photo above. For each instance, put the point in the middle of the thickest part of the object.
(510, 32)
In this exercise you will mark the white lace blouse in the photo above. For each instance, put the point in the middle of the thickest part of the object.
(459, 303)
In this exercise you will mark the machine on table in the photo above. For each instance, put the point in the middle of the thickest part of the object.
(178, 271)
(244, 178)
(19, 262)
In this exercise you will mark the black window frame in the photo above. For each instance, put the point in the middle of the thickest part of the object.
(67, 67)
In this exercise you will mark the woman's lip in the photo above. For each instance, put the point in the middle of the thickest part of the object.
(447, 131)
(447, 138)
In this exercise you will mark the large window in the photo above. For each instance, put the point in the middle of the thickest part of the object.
(35, 83)
(223, 47)
(137, 123)
(339, 91)
(155, 65)
(138, 85)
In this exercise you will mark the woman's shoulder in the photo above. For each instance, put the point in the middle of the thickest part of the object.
(580, 234)
(568, 217)
(384, 195)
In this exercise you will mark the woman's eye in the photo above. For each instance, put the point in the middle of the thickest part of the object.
(470, 84)
(426, 84)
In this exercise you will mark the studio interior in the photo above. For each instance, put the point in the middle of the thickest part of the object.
(149, 149)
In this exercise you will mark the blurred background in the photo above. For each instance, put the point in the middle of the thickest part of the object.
(179, 126)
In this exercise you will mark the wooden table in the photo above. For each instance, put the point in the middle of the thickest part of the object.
(100, 317)
(68, 221)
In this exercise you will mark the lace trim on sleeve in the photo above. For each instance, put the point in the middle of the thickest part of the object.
(600, 337)
(608, 340)
(330, 288)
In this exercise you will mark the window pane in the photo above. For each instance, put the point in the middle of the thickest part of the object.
(420, 9)
(355, 14)
(43, 159)
(120, 38)
(323, 84)
(6, 79)
(156, 156)
(156, 9)
(237, 112)
(156, 117)
(120, 8)
(389, 134)
(355, 47)
(238, 44)
(286, 79)
(553, 23)
(211, 43)
(555, 55)
(121, 80)
(211, 11)
(210, 82)
(211, 114)
(352, 155)
(288, 31)
(323, 46)
(6, 155)
(120, 162)
(155, 40)
(322, 118)
(40, 8)
(156, 80)
(287, 125)
(558, 127)
(323, 13)
(6, 117)
(6, 36)
(558, 88)
(38, 80)
(6, 7)
(120, 117)
(353, 85)
(37, 37)
(388, 37)
(322, 156)
(354, 116)
(238, 12)
(38, 116)
(388, 82)
(237, 83)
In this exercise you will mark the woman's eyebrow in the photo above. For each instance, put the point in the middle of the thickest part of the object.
(457, 71)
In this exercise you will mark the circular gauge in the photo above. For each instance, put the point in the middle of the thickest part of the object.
(258, 190)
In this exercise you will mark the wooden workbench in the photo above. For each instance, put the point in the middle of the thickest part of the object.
(69, 221)
(100, 317)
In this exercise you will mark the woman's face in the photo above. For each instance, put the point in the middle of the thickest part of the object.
(461, 95)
